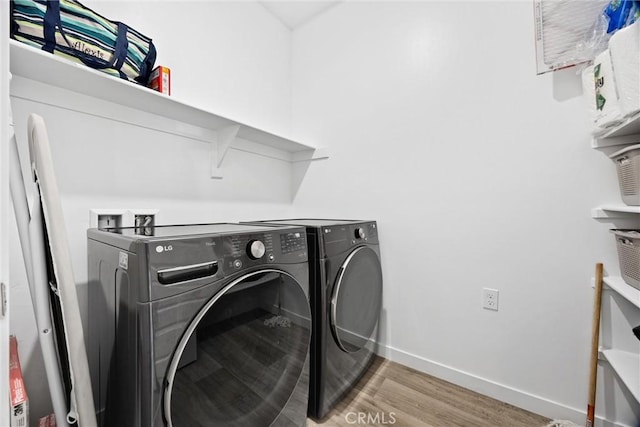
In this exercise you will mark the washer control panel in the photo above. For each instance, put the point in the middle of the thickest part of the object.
(244, 250)
(292, 242)
(247, 250)
(256, 249)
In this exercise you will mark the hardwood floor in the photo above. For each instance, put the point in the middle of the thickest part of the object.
(392, 394)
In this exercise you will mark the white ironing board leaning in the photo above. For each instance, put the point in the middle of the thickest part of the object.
(44, 244)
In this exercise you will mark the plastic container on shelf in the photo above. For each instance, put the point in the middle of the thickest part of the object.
(606, 103)
(624, 47)
(627, 163)
(628, 245)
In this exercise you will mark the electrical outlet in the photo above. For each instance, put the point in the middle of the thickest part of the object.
(490, 299)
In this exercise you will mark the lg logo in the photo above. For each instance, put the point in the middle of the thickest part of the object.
(161, 248)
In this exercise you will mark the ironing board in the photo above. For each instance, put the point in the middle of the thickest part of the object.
(53, 289)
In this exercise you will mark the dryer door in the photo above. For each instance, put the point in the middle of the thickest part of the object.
(242, 356)
(356, 299)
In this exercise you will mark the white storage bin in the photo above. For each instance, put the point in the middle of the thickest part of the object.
(624, 46)
(627, 163)
(628, 245)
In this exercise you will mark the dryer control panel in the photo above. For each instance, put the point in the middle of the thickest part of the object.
(342, 237)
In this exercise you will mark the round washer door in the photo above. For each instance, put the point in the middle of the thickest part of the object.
(241, 357)
(356, 299)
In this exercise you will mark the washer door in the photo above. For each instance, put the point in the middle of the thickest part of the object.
(356, 299)
(241, 357)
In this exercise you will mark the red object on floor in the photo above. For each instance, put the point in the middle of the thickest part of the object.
(48, 421)
(17, 391)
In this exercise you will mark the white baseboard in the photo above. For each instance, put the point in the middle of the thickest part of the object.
(519, 398)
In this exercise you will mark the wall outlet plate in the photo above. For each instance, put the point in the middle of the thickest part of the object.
(490, 299)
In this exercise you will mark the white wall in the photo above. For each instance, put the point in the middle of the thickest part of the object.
(230, 57)
(480, 175)
(238, 66)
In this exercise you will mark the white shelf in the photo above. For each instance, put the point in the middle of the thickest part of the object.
(614, 211)
(627, 367)
(625, 132)
(188, 120)
(625, 290)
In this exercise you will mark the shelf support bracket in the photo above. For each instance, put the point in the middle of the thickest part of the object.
(226, 136)
(310, 155)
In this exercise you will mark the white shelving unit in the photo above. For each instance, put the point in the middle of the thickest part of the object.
(625, 132)
(147, 108)
(614, 211)
(625, 364)
(628, 292)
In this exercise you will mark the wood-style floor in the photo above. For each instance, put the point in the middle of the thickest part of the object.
(392, 394)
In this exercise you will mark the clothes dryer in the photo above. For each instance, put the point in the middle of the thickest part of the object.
(199, 325)
(346, 298)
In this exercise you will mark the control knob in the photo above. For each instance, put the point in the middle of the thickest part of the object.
(255, 249)
(359, 233)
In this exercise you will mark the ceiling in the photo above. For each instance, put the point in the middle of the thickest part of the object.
(294, 13)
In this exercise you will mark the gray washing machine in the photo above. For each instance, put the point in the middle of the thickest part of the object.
(199, 325)
(345, 279)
